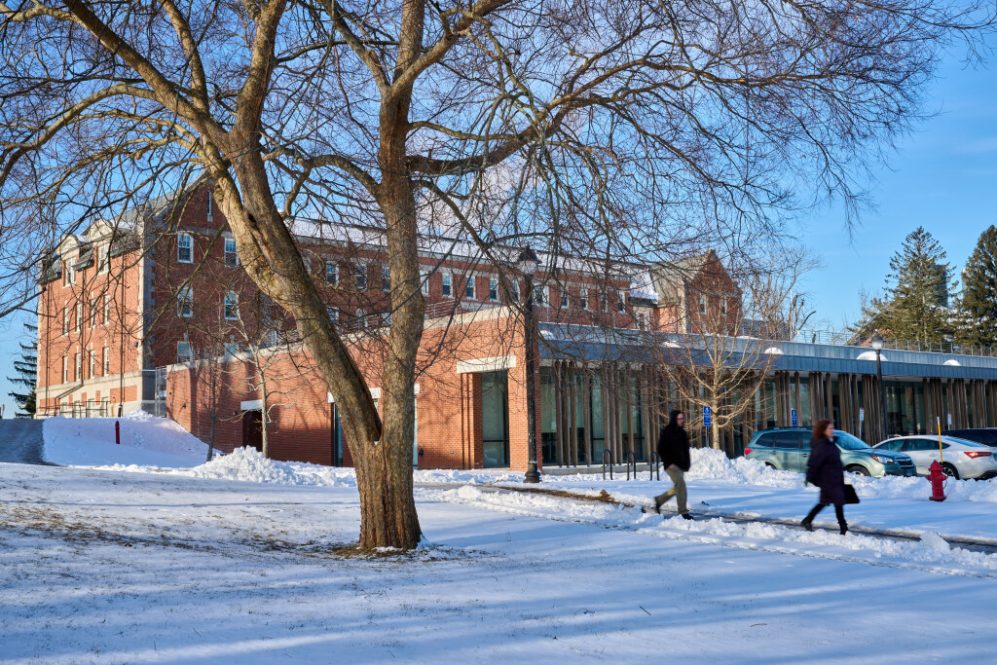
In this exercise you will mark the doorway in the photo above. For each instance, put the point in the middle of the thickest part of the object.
(495, 418)
(252, 429)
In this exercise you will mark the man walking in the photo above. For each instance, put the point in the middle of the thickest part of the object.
(673, 451)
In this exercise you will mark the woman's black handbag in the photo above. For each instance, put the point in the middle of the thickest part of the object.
(850, 495)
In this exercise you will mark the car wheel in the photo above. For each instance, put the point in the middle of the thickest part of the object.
(950, 471)
(861, 470)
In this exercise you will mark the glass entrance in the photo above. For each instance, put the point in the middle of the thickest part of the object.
(495, 418)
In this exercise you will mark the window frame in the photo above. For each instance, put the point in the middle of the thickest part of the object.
(181, 246)
(230, 310)
(471, 287)
(447, 284)
(185, 296)
(334, 267)
(360, 280)
(231, 256)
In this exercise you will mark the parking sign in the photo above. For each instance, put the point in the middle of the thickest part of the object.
(707, 416)
(794, 418)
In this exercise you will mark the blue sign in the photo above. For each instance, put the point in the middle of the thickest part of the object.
(707, 416)
(792, 416)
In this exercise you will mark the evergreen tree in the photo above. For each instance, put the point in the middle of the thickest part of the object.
(976, 310)
(26, 370)
(915, 306)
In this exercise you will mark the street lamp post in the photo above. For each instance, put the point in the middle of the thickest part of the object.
(527, 264)
(877, 345)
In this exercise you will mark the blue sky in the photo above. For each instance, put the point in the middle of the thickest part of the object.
(943, 177)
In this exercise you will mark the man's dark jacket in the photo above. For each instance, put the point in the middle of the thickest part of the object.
(673, 445)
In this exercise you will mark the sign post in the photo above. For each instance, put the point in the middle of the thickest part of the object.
(707, 421)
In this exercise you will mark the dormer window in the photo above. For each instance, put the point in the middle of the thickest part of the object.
(702, 304)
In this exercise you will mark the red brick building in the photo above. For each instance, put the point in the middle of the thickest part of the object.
(153, 311)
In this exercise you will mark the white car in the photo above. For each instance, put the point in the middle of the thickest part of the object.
(959, 458)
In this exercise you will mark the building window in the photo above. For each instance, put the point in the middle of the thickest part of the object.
(469, 288)
(564, 297)
(93, 313)
(424, 282)
(231, 252)
(185, 353)
(65, 369)
(642, 320)
(92, 364)
(106, 364)
(361, 277)
(541, 296)
(447, 288)
(385, 277)
(78, 366)
(332, 313)
(68, 274)
(583, 298)
(79, 317)
(361, 318)
(702, 304)
(621, 303)
(210, 207)
(514, 290)
(107, 309)
(103, 259)
(231, 349)
(231, 306)
(65, 320)
(386, 319)
(185, 248)
(723, 307)
(332, 273)
(185, 302)
(603, 301)
(493, 294)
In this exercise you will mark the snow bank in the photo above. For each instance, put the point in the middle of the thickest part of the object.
(145, 441)
(249, 465)
(714, 465)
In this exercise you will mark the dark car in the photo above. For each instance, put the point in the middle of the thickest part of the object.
(985, 435)
(788, 448)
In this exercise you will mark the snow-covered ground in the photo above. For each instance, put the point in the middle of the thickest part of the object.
(145, 441)
(102, 566)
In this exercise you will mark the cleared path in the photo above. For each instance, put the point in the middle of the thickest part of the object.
(21, 441)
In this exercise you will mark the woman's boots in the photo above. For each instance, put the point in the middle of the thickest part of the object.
(839, 511)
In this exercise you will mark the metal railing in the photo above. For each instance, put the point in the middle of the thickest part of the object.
(848, 338)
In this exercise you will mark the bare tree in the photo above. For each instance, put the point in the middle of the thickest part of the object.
(597, 127)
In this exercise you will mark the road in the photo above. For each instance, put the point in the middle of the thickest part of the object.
(21, 441)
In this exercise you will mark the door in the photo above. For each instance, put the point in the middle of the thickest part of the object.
(495, 418)
(252, 429)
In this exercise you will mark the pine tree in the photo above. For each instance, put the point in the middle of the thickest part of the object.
(26, 370)
(976, 310)
(915, 306)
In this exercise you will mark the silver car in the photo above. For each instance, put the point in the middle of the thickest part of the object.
(959, 458)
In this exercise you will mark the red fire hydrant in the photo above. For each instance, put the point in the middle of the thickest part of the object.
(117, 432)
(937, 478)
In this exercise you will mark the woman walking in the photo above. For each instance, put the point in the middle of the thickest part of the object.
(824, 470)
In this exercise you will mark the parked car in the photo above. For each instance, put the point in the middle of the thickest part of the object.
(962, 458)
(789, 448)
(985, 435)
